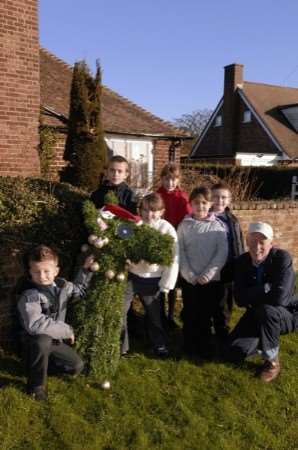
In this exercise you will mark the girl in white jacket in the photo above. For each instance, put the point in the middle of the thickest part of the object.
(203, 252)
(150, 280)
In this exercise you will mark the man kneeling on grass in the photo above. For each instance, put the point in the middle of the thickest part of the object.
(265, 286)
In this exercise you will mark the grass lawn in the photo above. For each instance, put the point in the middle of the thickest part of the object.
(152, 404)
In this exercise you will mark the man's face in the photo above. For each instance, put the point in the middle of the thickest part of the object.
(117, 172)
(258, 246)
(43, 272)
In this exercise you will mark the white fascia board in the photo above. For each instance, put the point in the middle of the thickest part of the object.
(260, 121)
(207, 126)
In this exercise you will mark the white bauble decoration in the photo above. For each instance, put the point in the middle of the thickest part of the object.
(92, 238)
(110, 274)
(84, 248)
(105, 385)
(120, 276)
(94, 267)
(106, 240)
(99, 243)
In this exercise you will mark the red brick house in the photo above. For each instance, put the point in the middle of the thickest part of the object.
(144, 139)
(253, 124)
(32, 79)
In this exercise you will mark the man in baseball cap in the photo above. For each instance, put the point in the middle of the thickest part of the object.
(265, 286)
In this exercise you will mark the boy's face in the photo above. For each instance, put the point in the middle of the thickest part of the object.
(117, 172)
(150, 216)
(43, 272)
(169, 183)
(221, 199)
(200, 207)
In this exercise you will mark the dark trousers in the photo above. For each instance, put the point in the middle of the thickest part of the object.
(259, 329)
(223, 312)
(42, 352)
(152, 308)
(200, 303)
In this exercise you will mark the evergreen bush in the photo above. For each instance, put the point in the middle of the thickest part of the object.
(85, 148)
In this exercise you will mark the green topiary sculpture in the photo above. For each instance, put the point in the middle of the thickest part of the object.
(114, 241)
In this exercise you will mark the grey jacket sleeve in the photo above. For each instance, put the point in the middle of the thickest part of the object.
(35, 322)
(185, 268)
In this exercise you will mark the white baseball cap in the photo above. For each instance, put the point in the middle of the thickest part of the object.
(261, 227)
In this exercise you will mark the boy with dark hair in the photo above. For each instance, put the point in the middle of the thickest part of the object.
(221, 198)
(42, 310)
(116, 175)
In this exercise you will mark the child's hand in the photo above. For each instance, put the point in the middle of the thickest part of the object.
(72, 339)
(203, 279)
(88, 261)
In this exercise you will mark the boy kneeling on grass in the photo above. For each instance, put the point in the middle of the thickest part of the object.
(42, 310)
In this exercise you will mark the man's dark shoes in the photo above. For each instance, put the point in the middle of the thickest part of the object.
(270, 370)
(38, 393)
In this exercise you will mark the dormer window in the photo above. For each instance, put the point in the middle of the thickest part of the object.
(290, 112)
(247, 116)
(218, 121)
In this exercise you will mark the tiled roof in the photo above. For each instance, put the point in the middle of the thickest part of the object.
(266, 100)
(118, 113)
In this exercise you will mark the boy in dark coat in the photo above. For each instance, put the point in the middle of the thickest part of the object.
(116, 175)
(221, 197)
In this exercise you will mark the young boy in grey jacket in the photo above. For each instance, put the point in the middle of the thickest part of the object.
(42, 309)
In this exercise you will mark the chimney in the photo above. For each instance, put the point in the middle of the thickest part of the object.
(233, 80)
(19, 88)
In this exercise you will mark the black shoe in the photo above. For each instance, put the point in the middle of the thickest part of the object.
(39, 393)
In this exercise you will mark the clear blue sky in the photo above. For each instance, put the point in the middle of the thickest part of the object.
(168, 55)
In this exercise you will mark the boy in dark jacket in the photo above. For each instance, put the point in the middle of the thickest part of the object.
(221, 196)
(116, 175)
(42, 310)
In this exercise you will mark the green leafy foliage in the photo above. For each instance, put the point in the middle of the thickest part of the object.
(98, 319)
(47, 142)
(36, 211)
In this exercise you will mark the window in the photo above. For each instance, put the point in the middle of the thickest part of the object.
(218, 121)
(247, 116)
(290, 112)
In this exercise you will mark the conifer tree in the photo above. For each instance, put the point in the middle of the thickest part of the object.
(85, 149)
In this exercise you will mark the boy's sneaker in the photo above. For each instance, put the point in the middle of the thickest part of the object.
(38, 393)
(161, 351)
(270, 370)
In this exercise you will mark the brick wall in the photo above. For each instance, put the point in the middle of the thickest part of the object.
(282, 216)
(161, 155)
(19, 87)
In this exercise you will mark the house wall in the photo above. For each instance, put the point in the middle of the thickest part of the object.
(251, 137)
(281, 215)
(161, 155)
(19, 88)
(156, 155)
